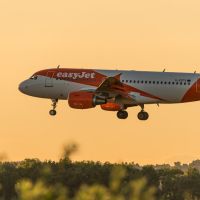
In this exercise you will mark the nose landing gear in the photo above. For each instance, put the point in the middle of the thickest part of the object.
(54, 105)
(52, 112)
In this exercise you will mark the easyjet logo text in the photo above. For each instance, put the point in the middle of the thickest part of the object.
(71, 75)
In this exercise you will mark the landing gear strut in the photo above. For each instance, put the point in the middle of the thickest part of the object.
(122, 114)
(54, 105)
(142, 115)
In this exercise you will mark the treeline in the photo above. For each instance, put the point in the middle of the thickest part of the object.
(32, 179)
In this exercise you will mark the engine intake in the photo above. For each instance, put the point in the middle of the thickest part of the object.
(84, 100)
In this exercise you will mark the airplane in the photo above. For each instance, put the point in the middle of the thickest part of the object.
(112, 90)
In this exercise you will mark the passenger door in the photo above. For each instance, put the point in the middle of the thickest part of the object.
(49, 79)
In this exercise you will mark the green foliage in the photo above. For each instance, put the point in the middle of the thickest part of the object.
(141, 192)
(137, 190)
(96, 192)
(117, 175)
(32, 179)
(28, 191)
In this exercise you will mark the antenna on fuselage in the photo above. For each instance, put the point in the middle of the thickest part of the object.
(58, 66)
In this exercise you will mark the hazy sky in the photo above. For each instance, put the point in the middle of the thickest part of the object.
(108, 34)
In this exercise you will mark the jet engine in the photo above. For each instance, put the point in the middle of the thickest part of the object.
(84, 100)
(111, 106)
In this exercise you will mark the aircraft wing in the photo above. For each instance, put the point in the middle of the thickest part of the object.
(111, 87)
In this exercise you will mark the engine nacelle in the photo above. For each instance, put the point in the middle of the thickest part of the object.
(111, 106)
(84, 100)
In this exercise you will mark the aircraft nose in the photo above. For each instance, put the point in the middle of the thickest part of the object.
(23, 87)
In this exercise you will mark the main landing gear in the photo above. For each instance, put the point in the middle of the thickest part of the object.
(122, 114)
(142, 115)
(54, 105)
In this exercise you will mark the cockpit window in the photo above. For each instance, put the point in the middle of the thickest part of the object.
(34, 77)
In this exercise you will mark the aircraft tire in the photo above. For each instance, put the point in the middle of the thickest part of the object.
(143, 116)
(52, 112)
(122, 114)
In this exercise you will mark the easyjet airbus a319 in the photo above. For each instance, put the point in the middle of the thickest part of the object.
(113, 90)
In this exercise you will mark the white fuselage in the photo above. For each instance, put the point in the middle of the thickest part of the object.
(143, 87)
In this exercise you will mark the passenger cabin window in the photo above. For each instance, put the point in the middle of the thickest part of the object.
(145, 81)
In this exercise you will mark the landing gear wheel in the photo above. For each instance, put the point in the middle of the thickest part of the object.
(52, 112)
(122, 114)
(54, 105)
(143, 116)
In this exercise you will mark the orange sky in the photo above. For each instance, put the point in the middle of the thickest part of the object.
(107, 34)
